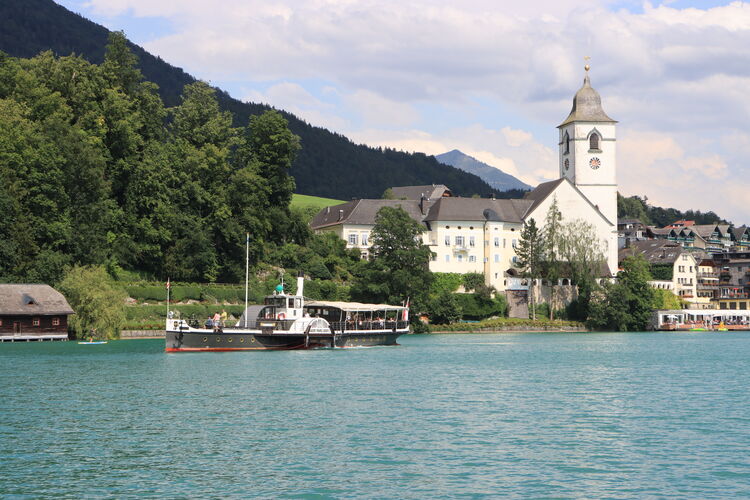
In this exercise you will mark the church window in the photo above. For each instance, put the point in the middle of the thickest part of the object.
(566, 143)
(594, 141)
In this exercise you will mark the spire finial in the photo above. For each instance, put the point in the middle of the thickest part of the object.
(587, 67)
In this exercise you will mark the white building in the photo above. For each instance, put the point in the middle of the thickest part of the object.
(679, 267)
(479, 235)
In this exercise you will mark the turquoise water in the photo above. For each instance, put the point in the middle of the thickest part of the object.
(515, 415)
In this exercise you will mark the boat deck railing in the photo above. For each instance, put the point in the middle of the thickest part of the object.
(369, 325)
(286, 324)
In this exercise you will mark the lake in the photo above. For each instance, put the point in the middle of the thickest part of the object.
(565, 415)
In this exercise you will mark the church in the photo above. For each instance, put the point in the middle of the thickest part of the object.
(479, 235)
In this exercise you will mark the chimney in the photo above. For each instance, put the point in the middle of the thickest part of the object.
(341, 214)
(421, 205)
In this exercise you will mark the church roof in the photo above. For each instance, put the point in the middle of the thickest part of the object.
(429, 192)
(362, 212)
(587, 106)
(478, 209)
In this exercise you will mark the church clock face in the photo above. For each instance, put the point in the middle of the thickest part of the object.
(595, 163)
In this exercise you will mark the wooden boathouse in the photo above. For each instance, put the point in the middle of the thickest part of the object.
(32, 313)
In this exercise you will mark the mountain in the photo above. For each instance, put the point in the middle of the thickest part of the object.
(495, 177)
(329, 165)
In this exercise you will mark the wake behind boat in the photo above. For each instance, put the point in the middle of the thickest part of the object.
(289, 322)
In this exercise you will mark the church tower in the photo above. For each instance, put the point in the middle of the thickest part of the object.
(587, 150)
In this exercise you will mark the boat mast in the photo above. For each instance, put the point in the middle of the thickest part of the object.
(168, 286)
(247, 271)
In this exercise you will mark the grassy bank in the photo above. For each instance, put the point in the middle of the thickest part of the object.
(510, 325)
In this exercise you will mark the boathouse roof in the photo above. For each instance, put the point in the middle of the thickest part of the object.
(28, 299)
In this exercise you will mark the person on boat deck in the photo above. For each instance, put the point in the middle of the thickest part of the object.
(217, 320)
(209, 322)
(223, 316)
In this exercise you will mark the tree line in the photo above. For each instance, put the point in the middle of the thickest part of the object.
(95, 170)
(329, 165)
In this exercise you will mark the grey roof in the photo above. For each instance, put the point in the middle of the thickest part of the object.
(739, 232)
(362, 212)
(655, 251)
(477, 209)
(704, 230)
(24, 299)
(587, 106)
(429, 192)
(540, 193)
(543, 190)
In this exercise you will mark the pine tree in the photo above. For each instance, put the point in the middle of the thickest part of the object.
(529, 252)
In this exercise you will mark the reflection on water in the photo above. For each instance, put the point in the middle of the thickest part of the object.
(526, 415)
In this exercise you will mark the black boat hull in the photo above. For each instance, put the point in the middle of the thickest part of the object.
(246, 341)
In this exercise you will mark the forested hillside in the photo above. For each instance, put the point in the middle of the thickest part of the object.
(94, 169)
(635, 207)
(328, 165)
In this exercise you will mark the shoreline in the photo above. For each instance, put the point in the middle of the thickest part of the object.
(514, 330)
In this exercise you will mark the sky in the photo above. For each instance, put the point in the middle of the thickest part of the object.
(492, 78)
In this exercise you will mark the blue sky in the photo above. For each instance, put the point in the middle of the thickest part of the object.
(491, 78)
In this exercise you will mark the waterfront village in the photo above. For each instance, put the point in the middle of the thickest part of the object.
(706, 266)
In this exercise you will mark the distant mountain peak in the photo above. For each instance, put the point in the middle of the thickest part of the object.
(491, 175)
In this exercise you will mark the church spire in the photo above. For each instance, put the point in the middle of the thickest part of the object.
(587, 104)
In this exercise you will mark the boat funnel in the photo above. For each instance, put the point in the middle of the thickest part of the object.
(300, 284)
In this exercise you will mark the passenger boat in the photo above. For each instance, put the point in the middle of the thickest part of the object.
(289, 322)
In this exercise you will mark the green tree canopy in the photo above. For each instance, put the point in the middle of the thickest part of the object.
(98, 303)
(399, 268)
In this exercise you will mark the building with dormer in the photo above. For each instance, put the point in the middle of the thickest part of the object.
(479, 235)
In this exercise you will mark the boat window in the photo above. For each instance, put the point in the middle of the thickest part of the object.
(298, 303)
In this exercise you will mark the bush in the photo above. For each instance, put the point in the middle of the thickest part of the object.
(473, 281)
(97, 301)
(477, 307)
(444, 309)
(445, 282)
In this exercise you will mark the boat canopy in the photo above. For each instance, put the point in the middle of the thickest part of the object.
(353, 306)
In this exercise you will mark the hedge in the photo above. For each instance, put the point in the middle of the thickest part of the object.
(500, 324)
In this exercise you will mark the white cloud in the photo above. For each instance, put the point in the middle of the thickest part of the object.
(675, 78)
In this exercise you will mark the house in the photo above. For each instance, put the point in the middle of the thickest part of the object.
(672, 267)
(734, 277)
(632, 230)
(717, 236)
(707, 289)
(353, 221)
(685, 236)
(479, 235)
(740, 237)
(33, 312)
